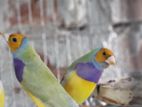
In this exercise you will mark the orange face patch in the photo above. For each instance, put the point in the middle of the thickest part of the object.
(103, 54)
(15, 41)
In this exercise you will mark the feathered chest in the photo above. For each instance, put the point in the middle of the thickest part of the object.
(88, 71)
(19, 68)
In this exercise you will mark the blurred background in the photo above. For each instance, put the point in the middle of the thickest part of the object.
(63, 30)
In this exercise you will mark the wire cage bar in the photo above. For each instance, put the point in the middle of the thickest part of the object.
(63, 30)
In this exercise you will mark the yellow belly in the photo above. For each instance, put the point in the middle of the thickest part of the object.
(2, 98)
(79, 88)
(36, 100)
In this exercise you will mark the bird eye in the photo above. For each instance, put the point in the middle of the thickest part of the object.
(104, 53)
(14, 39)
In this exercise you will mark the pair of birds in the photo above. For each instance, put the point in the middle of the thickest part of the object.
(39, 82)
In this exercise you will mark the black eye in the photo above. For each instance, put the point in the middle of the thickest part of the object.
(104, 53)
(14, 39)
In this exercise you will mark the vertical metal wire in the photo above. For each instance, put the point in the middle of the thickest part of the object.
(43, 33)
(18, 14)
(57, 56)
(41, 13)
(89, 16)
(68, 49)
(56, 49)
(30, 12)
(56, 42)
(90, 31)
(44, 47)
(12, 79)
(79, 44)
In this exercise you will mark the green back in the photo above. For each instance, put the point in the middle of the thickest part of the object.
(39, 81)
(86, 58)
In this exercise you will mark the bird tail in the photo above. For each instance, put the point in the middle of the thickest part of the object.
(38, 102)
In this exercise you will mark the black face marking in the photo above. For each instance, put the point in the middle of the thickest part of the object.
(104, 53)
(14, 39)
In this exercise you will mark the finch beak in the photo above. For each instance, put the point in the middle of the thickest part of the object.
(111, 60)
(5, 36)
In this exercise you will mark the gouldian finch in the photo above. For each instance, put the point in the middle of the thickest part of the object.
(2, 95)
(83, 75)
(35, 77)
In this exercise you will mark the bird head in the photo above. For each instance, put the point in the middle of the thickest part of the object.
(15, 41)
(105, 57)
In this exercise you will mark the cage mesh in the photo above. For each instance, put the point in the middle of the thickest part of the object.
(59, 43)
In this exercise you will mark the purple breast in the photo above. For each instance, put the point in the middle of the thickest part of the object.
(19, 68)
(88, 72)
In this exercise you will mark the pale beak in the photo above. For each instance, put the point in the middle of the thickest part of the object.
(111, 60)
(4, 35)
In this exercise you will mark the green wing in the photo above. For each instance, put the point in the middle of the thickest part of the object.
(86, 58)
(40, 82)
